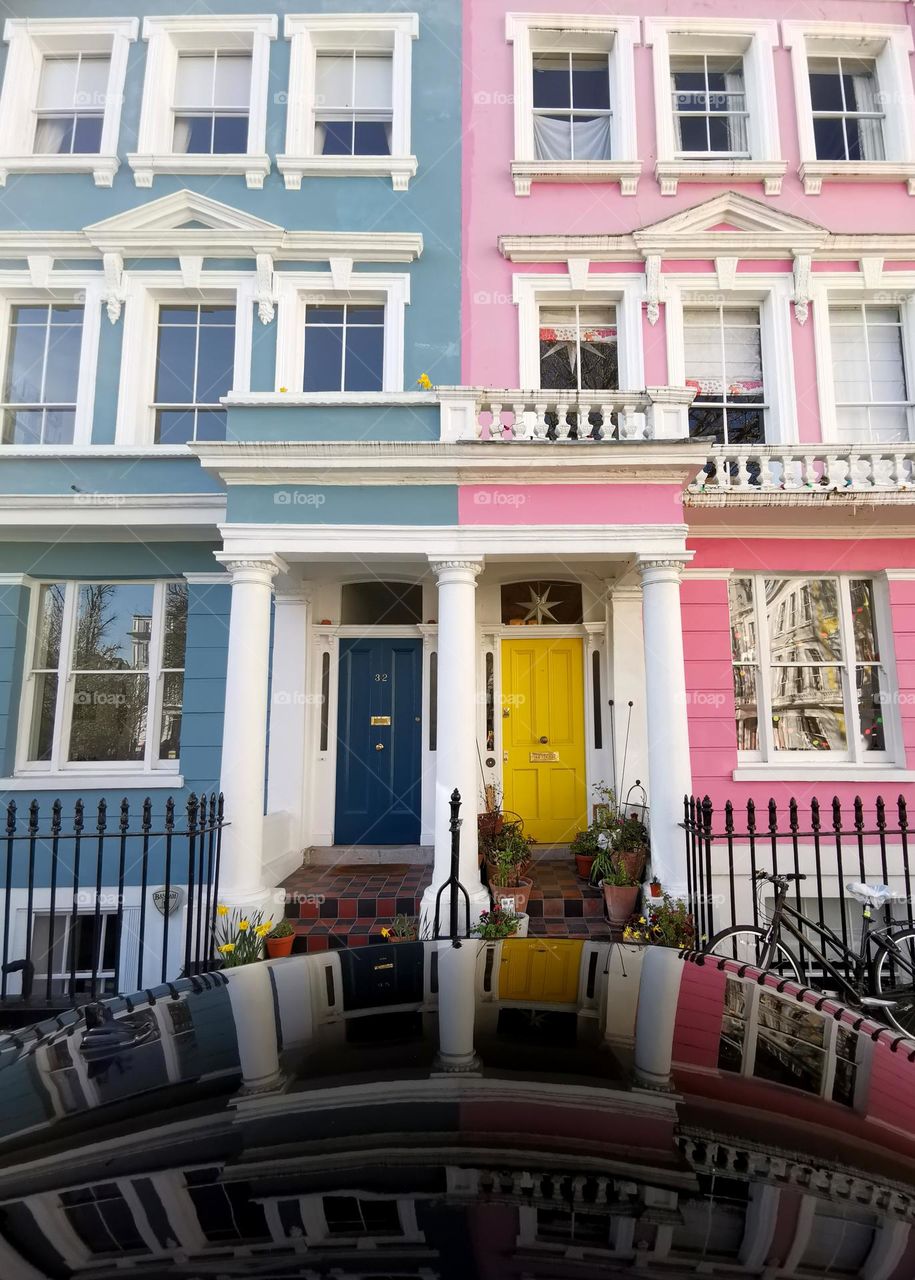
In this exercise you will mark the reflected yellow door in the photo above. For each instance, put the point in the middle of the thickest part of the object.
(543, 736)
(545, 971)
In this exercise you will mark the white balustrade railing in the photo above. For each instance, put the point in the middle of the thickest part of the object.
(753, 469)
(499, 416)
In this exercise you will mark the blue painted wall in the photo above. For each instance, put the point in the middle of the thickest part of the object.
(343, 504)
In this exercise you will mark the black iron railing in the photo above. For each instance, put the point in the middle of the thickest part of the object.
(830, 845)
(93, 905)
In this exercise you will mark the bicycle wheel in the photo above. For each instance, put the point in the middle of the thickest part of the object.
(894, 979)
(746, 944)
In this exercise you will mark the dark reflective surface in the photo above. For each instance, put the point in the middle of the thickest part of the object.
(533, 1110)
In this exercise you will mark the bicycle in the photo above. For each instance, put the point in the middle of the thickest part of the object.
(882, 970)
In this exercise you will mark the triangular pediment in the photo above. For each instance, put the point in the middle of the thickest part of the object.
(729, 214)
(182, 211)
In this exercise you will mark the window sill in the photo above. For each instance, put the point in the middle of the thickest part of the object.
(327, 399)
(102, 168)
(254, 167)
(87, 781)
(813, 173)
(625, 172)
(400, 169)
(769, 172)
(843, 771)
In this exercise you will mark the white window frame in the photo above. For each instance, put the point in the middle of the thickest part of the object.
(617, 37)
(786, 762)
(773, 295)
(58, 766)
(624, 291)
(842, 287)
(296, 290)
(63, 287)
(750, 39)
(890, 46)
(167, 38)
(144, 291)
(29, 40)
(310, 34)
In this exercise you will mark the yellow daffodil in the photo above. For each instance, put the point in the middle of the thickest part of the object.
(284, 390)
(263, 929)
(424, 381)
(242, 926)
(642, 920)
(226, 948)
(221, 910)
(386, 933)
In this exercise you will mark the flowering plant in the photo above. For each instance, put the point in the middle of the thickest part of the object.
(670, 924)
(496, 923)
(240, 936)
(401, 927)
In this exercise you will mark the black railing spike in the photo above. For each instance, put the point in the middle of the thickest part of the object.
(836, 814)
(859, 814)
(56, 811)
(170, 814)
(773, 814)
(792, 815)
(192, 809)
(728, 817)
(102, 822)
(11, 818)
(815, 813)
(124, 823)
(147, 814)
(707, 812)
(903, 813)
(79, 812)
(220, 806)
(33, 817)
(881, 813)
(751, 817)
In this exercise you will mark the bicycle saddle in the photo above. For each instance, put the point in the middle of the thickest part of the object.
(871, 895)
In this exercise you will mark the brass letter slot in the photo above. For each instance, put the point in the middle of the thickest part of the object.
(544, 757)
(380, 720)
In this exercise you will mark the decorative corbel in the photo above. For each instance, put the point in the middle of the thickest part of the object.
(264, 291)
(801, 299)
(653, 287)
(578, 272)
(115, 293)
(726, 270)
(872, 270)
(191, 269)
(40, 265)
(341, 272)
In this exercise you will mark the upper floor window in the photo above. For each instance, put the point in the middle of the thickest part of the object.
(809, 669)
(353, 104)
(578, 348)
(349, 97)
(847, 111)
(722, 352)
(71, 105)
(106, 676)
(102, 1219)
(205, 97)
(574, 99)
(60, 109)
(870, 379)
(212, 103)
(44, 344)
(195, 364)
(710, 105)
(344, 347)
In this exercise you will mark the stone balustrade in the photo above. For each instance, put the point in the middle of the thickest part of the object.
(499, 416)
(748, 470)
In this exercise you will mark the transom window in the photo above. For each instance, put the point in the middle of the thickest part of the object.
(709, 105)
(808, 675)
(353, 104)
(847, 112)
(572, 114)
(578, 348)
(212, 103)
(722, 353)
(375, 603)
(195, 365)
(541, 603)
(344, 347)
(42, 373)
(106, 676)
(72, 93)
(869, 372)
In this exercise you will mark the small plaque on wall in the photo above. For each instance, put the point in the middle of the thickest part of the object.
(544, 757)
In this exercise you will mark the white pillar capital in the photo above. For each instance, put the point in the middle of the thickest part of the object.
(662, 568)
(456, 571)
(258, 570)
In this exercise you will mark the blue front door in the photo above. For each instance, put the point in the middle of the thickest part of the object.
(379, 742)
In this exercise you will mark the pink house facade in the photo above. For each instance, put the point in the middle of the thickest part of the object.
(717, 206)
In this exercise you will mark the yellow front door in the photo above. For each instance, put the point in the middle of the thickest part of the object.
(540, 970)
(543, 736)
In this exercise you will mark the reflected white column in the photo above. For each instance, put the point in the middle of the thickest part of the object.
(251, 997)
(457, 969)
(656, 1015)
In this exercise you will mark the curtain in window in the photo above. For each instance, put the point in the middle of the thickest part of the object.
(737, 124)
(722, 353)
(561, 340)
(567, 139)
(52, 136)
(870, 132)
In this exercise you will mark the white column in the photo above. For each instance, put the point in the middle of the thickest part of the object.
(244, 745)
(656, 1015)
(289, 711)
(251, 998)
(669, 776)
(456, 764)
(457, 970)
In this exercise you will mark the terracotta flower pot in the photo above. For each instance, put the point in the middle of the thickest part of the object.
(277, 947)
(633, 862)
(490, 824)
(514, 898)
(583, 864)
(656, 890)
(620, 900)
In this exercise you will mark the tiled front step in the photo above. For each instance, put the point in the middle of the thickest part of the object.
(559, 895)
(335, 935)
(352, 892)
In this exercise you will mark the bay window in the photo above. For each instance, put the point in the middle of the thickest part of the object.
(870, 379)
(106, 676)
(722, 354)
(809, 668)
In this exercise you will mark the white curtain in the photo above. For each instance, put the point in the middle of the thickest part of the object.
(869, 131)
(182, 137)
(722, 355)
(53, 136)
(568, 139)
(737, 124)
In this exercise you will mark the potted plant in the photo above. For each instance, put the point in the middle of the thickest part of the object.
(621, 889)
(280, 939)
(239, 935)
(401, 929)
(508, 856)
(497, 923)
(490, 821)
(585, 849)
(669, 924)
(629, 840)
(654, 887)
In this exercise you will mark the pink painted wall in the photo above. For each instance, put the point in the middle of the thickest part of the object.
(491, 209)
(569, 504)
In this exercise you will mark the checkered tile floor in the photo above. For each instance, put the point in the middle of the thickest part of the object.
(347, 906)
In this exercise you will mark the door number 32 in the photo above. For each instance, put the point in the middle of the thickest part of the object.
(381, 677)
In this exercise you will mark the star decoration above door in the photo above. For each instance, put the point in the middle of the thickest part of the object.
(539, 606)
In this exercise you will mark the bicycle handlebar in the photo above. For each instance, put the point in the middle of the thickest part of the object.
(785, 876)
